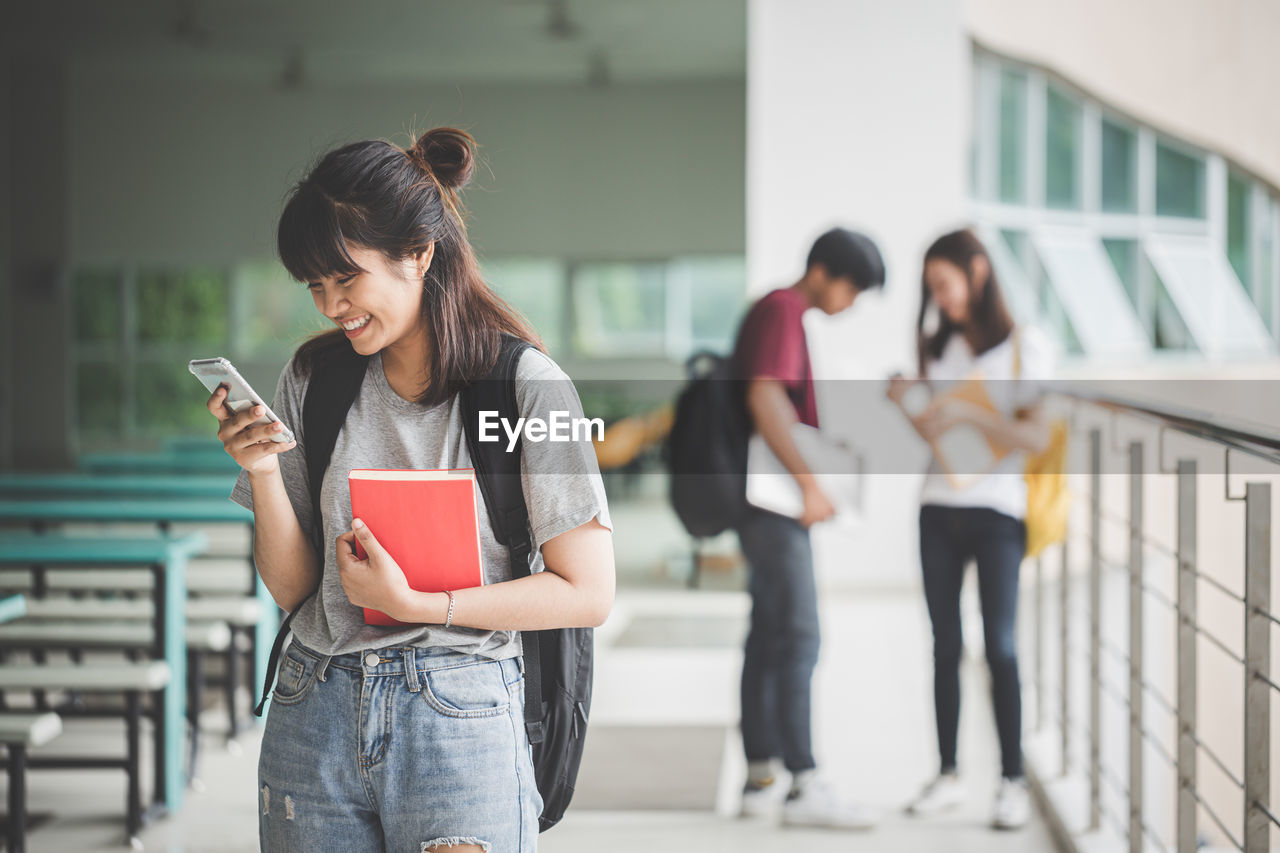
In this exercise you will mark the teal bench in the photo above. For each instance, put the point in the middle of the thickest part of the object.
(164, 513)
(161, 677)
(186, 462)
(48, 486)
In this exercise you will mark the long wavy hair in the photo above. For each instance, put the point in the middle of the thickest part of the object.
(376, 195)
(990, 322)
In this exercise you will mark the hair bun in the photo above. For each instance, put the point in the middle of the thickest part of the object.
(449, 153)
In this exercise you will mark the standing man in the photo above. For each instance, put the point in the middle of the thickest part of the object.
(771, 356)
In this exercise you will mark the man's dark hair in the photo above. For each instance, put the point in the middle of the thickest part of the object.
(848, 254)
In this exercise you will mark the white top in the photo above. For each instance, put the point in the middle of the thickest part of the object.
(1003, 489)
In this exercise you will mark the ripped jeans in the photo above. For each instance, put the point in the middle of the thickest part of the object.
(397, 749)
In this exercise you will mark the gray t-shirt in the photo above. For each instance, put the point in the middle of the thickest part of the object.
(561, 482)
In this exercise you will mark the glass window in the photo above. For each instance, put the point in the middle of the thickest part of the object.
(168, 400)
(1013, 122)
(1062, 150)
(1179, 183)
(1119, 169)
(716, 290)
(1238, 227)
(274, 312)
(1171, 332)
(99, 397)
(97, 296)
(190, 306)
(1124, 257)
(536, 288)
(619, 309)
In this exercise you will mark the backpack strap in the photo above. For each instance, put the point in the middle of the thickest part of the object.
(498, 476)
(336, 377)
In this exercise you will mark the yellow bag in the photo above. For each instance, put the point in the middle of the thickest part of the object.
(1048, 498)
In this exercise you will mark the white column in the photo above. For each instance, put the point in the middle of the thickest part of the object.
(858, 115)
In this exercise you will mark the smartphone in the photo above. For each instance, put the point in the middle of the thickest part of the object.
(213, 372)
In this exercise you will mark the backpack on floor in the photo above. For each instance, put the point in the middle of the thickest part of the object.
(707, 447)
(558, 662)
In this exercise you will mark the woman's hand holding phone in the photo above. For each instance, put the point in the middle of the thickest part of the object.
(249, 444)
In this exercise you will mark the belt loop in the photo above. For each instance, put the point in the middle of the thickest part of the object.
(323, 668)
(411, 669)
(520, 660)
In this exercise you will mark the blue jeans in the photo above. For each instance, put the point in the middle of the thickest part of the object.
(396, 749)
(949, 538)
(782, 646)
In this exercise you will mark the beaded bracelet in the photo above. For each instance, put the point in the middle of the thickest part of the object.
(449, 618)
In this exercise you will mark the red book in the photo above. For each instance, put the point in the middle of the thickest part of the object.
(426, 520)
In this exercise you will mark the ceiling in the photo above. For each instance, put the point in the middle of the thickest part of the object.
(296, 41)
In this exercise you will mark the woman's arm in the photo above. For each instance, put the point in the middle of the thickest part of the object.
(576, 589)
(283, 553)
(1026, 430)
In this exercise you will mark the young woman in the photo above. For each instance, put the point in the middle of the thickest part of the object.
(965, 330)
(413, 737)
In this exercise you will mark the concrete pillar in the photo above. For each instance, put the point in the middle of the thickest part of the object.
(36, 310)
(857, 115)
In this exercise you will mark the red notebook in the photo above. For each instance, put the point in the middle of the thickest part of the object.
(427, 522)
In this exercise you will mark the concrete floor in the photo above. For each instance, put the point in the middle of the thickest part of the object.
(873, 732)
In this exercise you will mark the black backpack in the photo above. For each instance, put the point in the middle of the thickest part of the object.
(557, 663)
(707, 447)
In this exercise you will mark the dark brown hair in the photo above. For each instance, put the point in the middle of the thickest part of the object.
(989, 320)
(376, 195)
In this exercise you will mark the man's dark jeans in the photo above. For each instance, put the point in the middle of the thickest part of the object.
(782, 647)
(949, 538)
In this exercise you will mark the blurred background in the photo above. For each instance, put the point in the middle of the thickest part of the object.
(649, 168)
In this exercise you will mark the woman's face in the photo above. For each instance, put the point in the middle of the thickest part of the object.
(377, 307)
(949, 288)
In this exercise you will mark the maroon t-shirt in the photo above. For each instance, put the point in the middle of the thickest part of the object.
(771, 344)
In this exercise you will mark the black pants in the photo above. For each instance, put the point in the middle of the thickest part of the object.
(949, 538)
(782, 647)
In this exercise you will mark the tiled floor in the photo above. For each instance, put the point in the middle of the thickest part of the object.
(873, 731)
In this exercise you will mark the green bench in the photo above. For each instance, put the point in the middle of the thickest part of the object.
(80, 485)
(160, 677)
(221, 578)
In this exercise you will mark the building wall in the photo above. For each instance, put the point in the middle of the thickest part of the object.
(1202, 70)
(857, 115)
(200, 169)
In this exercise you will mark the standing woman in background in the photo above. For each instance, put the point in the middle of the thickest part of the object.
(411, 737)
(965, 329)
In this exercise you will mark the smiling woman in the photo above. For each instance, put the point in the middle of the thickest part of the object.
(436, 703)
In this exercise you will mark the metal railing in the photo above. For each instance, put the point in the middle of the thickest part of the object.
(1074, 722)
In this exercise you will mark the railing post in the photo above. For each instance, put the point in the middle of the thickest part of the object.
(1136, 602)
(1040, 692)
(1064, 657)
(1257, 659)
(1187, 619)
(1095, 628)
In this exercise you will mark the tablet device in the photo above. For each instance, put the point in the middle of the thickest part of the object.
(213, 372)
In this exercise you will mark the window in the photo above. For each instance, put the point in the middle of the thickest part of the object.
(1013, 122)
(1119, 169)
(714, 288)
(1062, 151)
(535, 288)
(1124, 258)
(1238, 228)
(619, 309)
(1179, 183)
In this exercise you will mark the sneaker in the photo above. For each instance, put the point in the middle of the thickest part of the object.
(762, 800)
(1013, 805)
(942, 794)
(818, 805)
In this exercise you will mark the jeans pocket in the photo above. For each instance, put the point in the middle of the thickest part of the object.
(294, 679)
(470, 691)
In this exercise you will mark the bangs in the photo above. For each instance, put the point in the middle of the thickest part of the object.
(309, 237)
